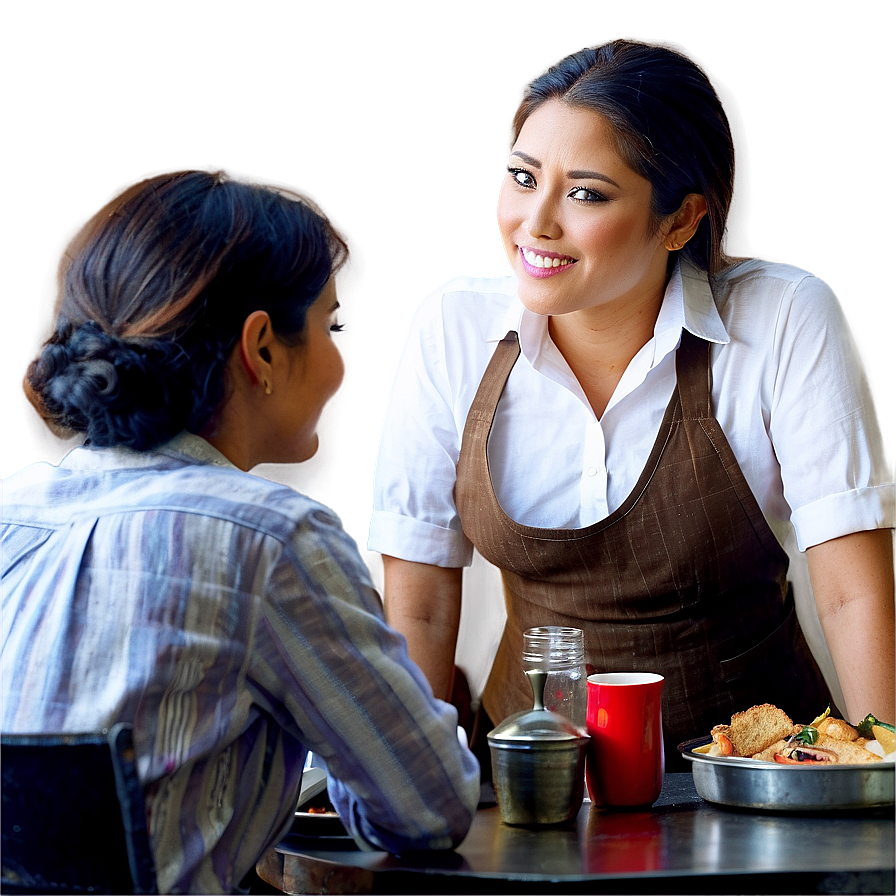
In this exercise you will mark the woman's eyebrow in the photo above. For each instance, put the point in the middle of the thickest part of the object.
(572, 175)
(590, 175)
(527, 159)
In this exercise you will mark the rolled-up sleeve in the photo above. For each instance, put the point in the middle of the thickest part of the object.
(414, 515)
(823, 424)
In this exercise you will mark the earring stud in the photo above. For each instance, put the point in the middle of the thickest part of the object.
(267, 387)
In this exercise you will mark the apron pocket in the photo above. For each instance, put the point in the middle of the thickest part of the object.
(775, 647)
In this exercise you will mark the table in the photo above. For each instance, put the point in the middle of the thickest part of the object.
(680, 845)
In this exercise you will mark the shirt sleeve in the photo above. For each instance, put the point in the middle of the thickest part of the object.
(397, 773)
(823, 424)
(414, 515)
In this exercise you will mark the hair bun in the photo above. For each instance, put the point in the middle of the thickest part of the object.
(114, 391)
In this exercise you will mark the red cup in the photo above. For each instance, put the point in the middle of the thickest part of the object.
(625, 764)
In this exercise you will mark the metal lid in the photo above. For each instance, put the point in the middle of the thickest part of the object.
(537, 727)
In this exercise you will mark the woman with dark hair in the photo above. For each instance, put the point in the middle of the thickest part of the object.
(635, 429)
(149, 579)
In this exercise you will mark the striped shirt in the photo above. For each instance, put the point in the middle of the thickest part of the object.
(233, 622)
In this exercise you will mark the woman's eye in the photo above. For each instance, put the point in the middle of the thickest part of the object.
(522, 178)
(582, 194)
(337, 328)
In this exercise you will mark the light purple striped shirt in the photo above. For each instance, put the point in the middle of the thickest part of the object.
(234, 623)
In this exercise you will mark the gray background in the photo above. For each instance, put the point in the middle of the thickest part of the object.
(395, 118)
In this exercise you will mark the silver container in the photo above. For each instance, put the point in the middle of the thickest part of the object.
(538, 765)
(751, 784)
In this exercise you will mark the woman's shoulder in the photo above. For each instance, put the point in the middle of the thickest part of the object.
(97, 482)
(769, 276)
(770, 290)
(271, 507)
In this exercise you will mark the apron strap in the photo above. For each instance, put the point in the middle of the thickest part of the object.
(494, 380)
(694, 375)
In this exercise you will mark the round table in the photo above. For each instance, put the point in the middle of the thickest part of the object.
(682, 844)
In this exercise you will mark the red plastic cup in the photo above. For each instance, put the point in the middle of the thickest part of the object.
(625, 764)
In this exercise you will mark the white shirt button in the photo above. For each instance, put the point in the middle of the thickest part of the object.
(592, 471)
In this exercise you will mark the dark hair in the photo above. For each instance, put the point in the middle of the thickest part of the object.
(153, 293)
(670, 125)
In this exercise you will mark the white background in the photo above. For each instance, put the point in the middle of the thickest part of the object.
(395, 117)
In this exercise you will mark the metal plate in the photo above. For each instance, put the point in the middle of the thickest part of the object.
(318, 823)
(752, 784)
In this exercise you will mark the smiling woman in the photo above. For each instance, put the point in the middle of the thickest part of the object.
(634, 426)
(580, 228)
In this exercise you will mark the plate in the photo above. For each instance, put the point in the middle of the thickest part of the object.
(752, 784)
(318, 824)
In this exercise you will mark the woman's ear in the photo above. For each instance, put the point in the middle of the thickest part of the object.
(255, 355)
(682, 225)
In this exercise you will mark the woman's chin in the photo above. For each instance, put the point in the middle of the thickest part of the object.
(307, 451)
(300, 454)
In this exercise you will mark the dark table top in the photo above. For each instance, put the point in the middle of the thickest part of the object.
(681, 844)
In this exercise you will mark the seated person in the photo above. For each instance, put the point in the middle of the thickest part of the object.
(150, 579)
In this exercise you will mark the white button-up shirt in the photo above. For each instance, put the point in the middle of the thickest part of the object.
(788, 390)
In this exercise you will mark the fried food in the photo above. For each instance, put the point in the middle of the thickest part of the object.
(837, 729)
(767, 733)
(754, 730)
(831, 749)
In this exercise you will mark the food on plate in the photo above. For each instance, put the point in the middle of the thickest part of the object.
(767, 733)
(837, 728)
(866, 726)
(751, 731)
(885, 737)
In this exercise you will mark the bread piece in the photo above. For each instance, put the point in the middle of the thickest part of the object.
(757, 728)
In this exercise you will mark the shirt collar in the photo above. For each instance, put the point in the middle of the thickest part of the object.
(701, 316)
(688, 304)
(184, 444)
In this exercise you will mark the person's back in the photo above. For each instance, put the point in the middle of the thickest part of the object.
(232, 621)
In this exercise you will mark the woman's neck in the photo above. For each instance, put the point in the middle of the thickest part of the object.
(599, 344)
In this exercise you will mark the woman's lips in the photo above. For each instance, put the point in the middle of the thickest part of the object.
(544, 264)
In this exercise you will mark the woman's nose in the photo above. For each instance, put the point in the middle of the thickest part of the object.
(543, 222)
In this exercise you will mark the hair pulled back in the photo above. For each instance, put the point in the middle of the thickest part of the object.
(153, 293)
(669, 122)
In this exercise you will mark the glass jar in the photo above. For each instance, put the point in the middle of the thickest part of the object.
(559, 651)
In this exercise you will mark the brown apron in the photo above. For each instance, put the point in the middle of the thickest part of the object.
(685, 578)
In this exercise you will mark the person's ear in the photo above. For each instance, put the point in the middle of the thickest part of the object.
(256, 339)
(682, 225)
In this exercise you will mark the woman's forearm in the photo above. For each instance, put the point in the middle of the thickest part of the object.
(423, 603)
(852, 578)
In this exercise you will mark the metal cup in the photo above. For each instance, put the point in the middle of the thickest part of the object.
(538, 765)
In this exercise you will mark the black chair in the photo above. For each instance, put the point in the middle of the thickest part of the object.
(73, 816)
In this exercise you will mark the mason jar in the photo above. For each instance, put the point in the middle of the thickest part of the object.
(559, 651)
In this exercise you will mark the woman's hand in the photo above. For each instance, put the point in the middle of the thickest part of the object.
(423, 603)
(852, 578)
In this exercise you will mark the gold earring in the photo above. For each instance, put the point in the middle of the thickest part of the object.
(267, 387)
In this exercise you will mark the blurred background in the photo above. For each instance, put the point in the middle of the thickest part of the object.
(395, 118)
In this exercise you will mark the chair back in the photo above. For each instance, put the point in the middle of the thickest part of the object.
(73, 815)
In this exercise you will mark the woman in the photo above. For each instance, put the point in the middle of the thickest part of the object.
(150, 579)
(631, 427)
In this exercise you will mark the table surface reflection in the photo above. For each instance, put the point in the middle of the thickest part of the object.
(681, 844)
